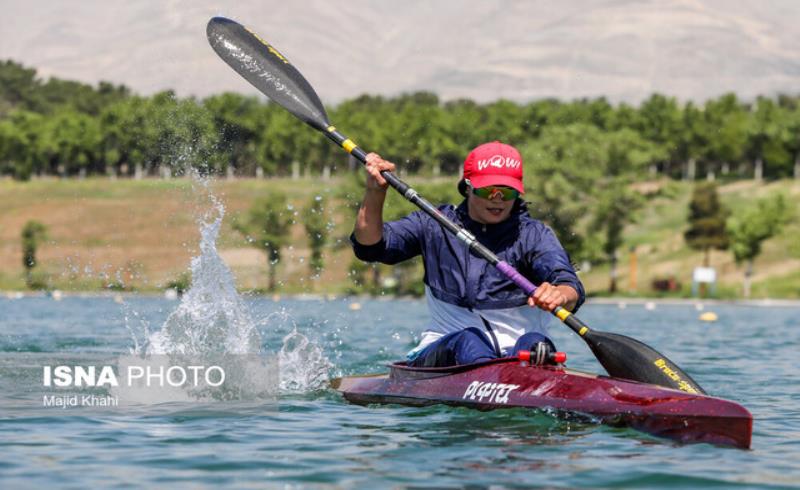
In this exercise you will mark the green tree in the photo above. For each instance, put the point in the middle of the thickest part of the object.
(766, 140)
(184, 133)
(693, 142)
(616, 203)
(18, 87)
(570, 167)
(159, 131)
(21, 89)
(505, 121)
(80, 97)
(129, 134)
(614, 209)
(750, 227)
(315, 221)
(32, 235)
(461, 120)
(267, 227)
(660, 122)
(561, 169)
(19, 144)
(729, 121)
(416, 124)
(275, 146)
(70, 141)
(237, 123)
(707, 221)
(792, 137)
(372, 124)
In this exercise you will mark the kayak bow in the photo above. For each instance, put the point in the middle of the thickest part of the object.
(507, 383)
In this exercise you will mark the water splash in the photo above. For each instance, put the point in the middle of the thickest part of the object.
(303, 364)
(211, 318)
(212, 323)
(211, 326)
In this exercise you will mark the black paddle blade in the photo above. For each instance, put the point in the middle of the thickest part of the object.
(267, 69)
(627, 358)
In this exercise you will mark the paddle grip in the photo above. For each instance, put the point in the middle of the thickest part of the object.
(391, 178)
(516, 277)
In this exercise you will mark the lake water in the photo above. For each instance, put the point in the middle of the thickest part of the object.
(312, 438)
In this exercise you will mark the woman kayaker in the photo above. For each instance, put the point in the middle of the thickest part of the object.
(477, 313)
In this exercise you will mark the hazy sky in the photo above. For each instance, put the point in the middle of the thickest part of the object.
(623, 49)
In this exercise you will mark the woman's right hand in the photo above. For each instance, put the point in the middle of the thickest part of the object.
(375, 165)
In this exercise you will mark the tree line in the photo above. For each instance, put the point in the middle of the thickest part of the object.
(67, 128)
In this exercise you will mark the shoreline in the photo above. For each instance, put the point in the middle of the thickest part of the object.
(763, 302)
(621, 301)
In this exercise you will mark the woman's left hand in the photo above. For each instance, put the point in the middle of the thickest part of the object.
(549, 297)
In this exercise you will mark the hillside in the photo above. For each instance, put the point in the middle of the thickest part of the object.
(141, 234)
(622, 49)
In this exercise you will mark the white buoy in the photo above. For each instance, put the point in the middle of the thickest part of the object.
(57, 295)
(622, 305)
(171, 294)
(649, 306)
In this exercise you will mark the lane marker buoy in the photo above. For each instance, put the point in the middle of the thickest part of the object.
(708, 316)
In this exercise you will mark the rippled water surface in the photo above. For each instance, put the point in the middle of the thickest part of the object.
(312, 438)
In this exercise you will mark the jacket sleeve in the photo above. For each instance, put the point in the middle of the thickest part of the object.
(401, 241)
(550, 263)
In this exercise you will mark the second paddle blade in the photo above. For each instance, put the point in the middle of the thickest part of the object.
(627, 358)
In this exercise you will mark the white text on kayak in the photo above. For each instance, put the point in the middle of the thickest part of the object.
(489, 392)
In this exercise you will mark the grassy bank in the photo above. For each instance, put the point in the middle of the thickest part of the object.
(140, 235)
(661, 252)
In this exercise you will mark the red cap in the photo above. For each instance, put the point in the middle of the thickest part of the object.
(494, 163)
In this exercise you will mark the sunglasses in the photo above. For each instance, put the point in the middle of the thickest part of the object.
(490, 192)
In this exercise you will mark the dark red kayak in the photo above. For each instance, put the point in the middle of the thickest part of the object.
(505, 383)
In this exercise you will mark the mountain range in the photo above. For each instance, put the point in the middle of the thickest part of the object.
(483, 50)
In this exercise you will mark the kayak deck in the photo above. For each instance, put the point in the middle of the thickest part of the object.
(506, 383)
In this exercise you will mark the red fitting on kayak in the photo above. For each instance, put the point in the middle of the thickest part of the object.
(524, 355)
(560, 357)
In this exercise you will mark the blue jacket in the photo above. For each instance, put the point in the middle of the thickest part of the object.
(458, 277)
